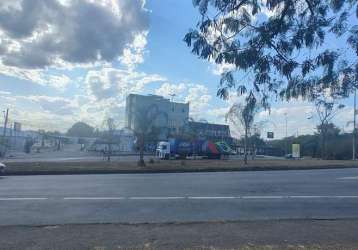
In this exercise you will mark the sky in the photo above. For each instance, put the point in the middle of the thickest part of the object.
(64, 61)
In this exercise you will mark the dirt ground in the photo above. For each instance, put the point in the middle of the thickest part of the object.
(101, 166)
(260, 235)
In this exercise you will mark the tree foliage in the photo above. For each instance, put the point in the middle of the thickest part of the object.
(145, 127)
(326, 110)
(243, 116)
(80, 129)
(284, 48)
(339, 145)
(109, 136)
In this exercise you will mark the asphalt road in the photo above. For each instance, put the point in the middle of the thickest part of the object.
(135, 198)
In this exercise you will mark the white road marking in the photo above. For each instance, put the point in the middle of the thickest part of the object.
(258, 197)
(262, 197)
(310, 196)
(348, 178)
(211, 197)
(22, 199)
(93, 198)
(157, 198)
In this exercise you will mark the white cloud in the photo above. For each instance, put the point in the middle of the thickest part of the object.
(55, 105)
(219, 69)
(134, 53)
(45, 112)
(41, 33)
(5, 93)
(167, 89)
(58, 81)
(198, 98)
(197, 95)
(117, 83)
(41, 40)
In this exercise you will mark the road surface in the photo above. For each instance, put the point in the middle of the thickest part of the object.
(135, 198)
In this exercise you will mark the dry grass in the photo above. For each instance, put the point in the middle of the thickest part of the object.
(174, 165)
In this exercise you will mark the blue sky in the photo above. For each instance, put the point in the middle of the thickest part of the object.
(86, 78)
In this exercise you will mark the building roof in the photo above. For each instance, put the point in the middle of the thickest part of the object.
(157, 97)
(204, 124)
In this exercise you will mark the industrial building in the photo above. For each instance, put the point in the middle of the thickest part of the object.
(172, 116)
(210, 130)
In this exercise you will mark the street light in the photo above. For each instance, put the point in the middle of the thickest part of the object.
(354, 126)
(286, 139)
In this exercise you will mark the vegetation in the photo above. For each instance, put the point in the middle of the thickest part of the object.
(28, 144)
(109, 136)
(243, 116)
(279, 47)
(326, 111)
(80, 129)
(338, 146)
(145, 127)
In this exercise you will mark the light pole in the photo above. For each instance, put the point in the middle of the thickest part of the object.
(354, 126)
(6, 115)
(286, 139)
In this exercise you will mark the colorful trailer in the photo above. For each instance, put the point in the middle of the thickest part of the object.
(177, 148)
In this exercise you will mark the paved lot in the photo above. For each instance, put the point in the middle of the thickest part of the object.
(44, 200)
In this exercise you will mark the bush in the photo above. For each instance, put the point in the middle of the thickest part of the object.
(151, 161)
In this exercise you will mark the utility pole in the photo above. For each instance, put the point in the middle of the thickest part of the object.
(173, 126)
(286, 139)
(172, 97)
(5, 121)
(354, 125)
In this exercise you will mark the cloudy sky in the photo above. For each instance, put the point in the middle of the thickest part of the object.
(63, 61)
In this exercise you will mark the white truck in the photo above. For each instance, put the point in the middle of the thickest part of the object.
(163, 150)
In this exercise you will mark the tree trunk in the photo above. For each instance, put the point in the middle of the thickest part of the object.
(109, 152)
(245, 147)
(141, 152)
(253, 151)
(323, 144)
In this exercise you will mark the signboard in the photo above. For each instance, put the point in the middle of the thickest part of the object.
(270, 135)
(17, 126)
(296, 151)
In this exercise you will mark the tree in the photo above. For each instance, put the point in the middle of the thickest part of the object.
(109, 136)
(255, 141)
(29, 142)
(80, 129)
(330, 134)
(145, 127)
(243, 116)
(280, 46)
(326, 111)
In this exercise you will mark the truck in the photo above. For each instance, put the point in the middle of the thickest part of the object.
(180, 149)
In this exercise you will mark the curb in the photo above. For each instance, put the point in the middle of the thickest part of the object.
(160, 171)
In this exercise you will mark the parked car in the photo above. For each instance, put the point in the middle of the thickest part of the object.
(2, 168)
(289, 156)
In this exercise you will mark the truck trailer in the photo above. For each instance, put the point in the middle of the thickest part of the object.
(180, 149)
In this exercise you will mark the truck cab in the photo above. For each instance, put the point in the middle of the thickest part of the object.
(163, 150)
